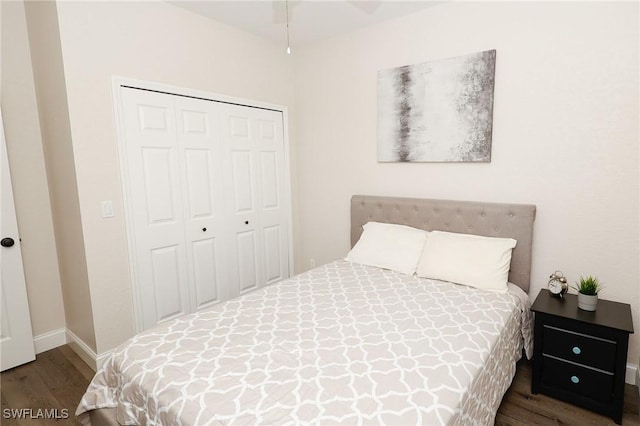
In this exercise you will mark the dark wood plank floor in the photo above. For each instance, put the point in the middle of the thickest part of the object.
(57, 379)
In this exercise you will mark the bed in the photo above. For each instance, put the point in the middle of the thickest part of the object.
(345, 343)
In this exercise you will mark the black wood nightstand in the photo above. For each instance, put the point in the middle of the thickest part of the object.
(580, 356)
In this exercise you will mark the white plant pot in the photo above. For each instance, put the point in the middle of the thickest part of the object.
(587, 302)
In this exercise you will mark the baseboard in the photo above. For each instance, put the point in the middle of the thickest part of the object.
(83, 350)
(87, 354)
(50, 340)
(632, 376)
(102, 358)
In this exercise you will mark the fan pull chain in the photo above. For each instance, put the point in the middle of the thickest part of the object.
(288, 44)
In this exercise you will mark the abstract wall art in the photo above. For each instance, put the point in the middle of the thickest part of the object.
(439, 111)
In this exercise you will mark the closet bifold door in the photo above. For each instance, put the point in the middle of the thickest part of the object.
(174, 178)
(200, 144)
(254, 168)
(207, 206)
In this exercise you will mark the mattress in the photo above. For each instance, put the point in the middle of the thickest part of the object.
(340, 344)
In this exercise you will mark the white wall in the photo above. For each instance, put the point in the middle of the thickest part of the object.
(565, 131)
(28, 173)
(152, 41)
(48, 73)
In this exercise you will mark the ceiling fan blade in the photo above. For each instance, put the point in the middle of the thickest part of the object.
(367, 6)
(279, 8)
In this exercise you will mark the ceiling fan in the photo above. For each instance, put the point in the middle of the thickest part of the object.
(283, 11)
(280, 7)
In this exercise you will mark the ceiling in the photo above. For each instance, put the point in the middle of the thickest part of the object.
(309, 20)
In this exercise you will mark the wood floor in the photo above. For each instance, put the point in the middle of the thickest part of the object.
(58, 378)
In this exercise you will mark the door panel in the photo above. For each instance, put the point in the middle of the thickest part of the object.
(198, 171)
(273, 214)
(255, 153)
(273, 253)
(195, 122)
(205, 271)
(165, 263)
(153, 118)
(269, 179)
(239, 127)
(198, 139)
(267, 130)
(156, 205)
(247, 259)
(16, 338)
(158, 184)
(242, 181)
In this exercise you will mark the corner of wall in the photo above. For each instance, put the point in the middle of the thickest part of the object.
(51, 94)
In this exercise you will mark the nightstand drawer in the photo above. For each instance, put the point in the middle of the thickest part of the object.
(579, 380)
(576, 347)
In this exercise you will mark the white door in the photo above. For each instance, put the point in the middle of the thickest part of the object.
(16, 338)
(199, 145)
(156, 206)
(206, 201)
(258, 216)
(174, 172)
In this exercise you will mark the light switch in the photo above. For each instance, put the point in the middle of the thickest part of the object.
(107, 209)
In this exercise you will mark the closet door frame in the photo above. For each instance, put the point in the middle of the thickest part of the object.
(118, 83)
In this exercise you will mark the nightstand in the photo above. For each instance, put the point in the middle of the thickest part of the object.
(579, 356)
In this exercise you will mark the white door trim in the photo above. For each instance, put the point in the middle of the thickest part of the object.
(117, 83)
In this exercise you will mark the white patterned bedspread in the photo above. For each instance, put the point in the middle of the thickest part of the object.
(340, 344)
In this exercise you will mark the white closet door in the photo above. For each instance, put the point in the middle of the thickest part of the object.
(156, 205)
(254, 166)
(206, 200)
(272, 204)
(202, 188)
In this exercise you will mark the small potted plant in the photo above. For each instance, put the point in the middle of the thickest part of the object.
(588, 288)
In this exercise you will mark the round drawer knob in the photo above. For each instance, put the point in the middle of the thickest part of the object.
(576, 350)
(575, 379)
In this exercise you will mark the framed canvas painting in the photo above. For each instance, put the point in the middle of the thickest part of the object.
(439, 111)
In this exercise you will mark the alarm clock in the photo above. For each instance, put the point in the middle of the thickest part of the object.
(558, 284)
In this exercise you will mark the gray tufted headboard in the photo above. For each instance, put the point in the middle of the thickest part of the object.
(466, 217)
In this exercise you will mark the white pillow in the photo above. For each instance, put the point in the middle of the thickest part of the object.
(389, 246)
(481, 262)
